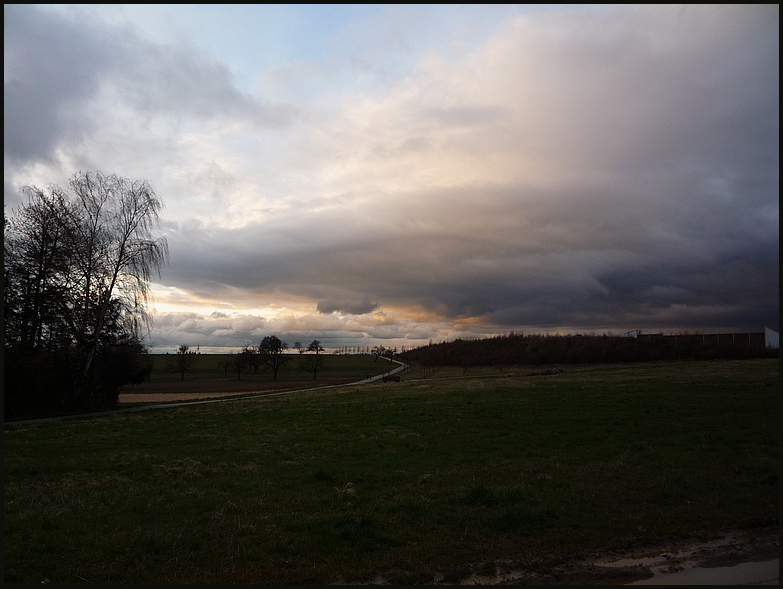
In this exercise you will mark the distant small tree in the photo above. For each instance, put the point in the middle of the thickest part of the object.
(251, 357)
(272, 351)
(298, 347)
(181, 361)
(237, 362)
(227, 365)
(315, 360)
(378, 351)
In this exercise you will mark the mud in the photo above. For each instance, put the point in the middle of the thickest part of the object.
(638, 562)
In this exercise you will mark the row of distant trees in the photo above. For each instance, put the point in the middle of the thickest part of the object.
(365, 350)
(76, 270)
(520, 349)
(270, 354)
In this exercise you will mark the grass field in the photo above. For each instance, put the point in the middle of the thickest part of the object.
(409, 480)
(208, 367)
(207, 375)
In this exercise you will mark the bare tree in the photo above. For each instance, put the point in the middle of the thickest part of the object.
(36, 272)
(237, 362)
(111, 221)
(77, 271)
(272, 351)
(226, 364)
(314, 361)
(181, 361)
(251, 357)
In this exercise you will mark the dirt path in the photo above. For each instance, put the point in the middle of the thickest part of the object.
(126, 398)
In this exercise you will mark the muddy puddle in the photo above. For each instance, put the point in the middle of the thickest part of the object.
(740, 557)
(706, 563)
(747, 573)
(733, 557)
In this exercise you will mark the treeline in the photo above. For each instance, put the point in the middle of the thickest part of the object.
(269, 355)
(519, 349)
(76, 270)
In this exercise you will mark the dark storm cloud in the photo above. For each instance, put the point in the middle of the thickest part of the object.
(599, 259)
(51, 66)
(346, 307)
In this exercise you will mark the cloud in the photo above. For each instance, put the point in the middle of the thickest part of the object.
(175, 82)
(62, 75)
(347, 308)
(542, 191)
(220, 330)
(50, 67)
(587, 166)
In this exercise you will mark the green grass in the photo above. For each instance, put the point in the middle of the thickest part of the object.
(411, 480)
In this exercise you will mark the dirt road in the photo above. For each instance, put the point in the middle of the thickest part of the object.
(126, 398)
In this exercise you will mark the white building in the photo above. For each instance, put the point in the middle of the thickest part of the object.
(771, 338)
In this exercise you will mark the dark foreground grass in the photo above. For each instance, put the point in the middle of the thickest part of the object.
(410, 480)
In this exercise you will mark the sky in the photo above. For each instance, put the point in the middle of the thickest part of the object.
(397, 175)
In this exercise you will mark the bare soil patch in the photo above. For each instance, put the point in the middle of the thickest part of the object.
(161, 392)
(617, 566)
(130, 398)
